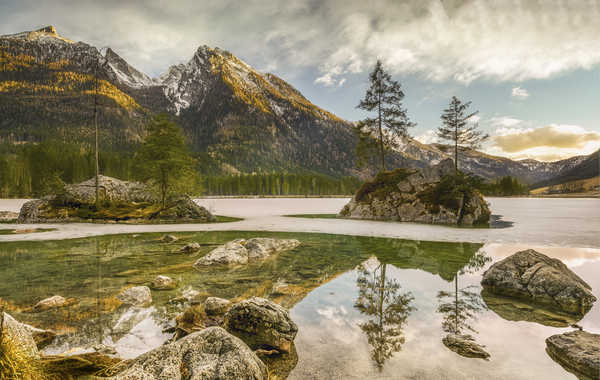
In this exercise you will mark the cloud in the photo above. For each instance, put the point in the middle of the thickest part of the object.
(547, 143)
(429, 137)
(438, 40)
(505, 121)
(519, 93)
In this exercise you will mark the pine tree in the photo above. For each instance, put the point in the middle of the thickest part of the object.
(390, 124)
(457, 128)
(164, 159)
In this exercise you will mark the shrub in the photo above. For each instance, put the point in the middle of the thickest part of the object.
(383, 184)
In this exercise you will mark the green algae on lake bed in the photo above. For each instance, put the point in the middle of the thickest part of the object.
(318, 280)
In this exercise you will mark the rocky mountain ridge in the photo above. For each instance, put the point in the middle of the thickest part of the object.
(237, 119)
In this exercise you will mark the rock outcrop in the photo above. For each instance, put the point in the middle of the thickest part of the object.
(465, 345)
(168, 239)
(212, 353)
(20, 334)
(535, 277)
(190, 248)
(577, 352)
(163, 283)
(241, 251)
(136, 296)
(261, 324)
(432, 195)
(127, 201)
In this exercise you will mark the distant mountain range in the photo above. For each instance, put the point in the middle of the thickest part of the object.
(237, 119)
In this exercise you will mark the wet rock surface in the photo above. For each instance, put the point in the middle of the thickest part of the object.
(53, 302)
(241, 251)
(465, 345)
(163, 283)
(412, 196)
(261, 324)
(136, 296)
(212, 353)
(216, 306)
(577, 351)
(20, 334)
(535, 277)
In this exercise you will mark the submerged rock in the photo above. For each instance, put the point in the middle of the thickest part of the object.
(261, 324)
(136, 296)
(216, 306)
(577, 351)
(163, 283)
(465, 345)
(430, 195)
(19, 334)
(190, 248)
(168, 239)
(53, 303)
(212, 353)
(241, 251)
(535, 277)
(8, 216)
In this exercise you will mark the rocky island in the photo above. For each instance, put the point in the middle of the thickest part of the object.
(434, 195)
(119, 201)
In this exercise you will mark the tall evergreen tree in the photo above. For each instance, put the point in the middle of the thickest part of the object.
(164, 159)
(457, 129)
(390, 123)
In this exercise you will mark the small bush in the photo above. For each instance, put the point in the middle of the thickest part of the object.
(449, 192)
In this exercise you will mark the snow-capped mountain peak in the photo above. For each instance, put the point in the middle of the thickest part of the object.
(45, 34)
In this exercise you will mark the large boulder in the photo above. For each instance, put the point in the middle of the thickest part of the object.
(109, 189)
(537, 278)
(208, 354)
(430, 195)
(241, 251)
(136, 296)
(261, 324)
(132, 201)
(577, 351)
(19, 333)
(216, 306)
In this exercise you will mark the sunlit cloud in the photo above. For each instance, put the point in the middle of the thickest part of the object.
(519, 93)
(429, 137)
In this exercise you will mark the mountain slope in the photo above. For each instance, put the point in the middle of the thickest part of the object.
(589, 167)
(236, 118)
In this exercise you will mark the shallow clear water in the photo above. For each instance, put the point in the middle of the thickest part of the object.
(328, 296)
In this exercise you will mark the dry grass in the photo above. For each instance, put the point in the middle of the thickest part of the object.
(16, 363)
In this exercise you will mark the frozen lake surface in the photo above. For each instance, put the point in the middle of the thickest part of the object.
(536, 221)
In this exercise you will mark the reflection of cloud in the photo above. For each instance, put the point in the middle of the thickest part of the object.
(547, 143)
(519, 93)
(335, 314)
(572, 257)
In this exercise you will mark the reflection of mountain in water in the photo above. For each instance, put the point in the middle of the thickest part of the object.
(381, 299)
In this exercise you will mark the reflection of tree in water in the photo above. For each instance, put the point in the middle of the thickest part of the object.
(460, 308)
(381, 299)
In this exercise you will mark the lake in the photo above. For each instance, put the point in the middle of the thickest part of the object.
(430, 274)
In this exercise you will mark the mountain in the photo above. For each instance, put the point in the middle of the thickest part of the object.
(237, 119)
(587, 168)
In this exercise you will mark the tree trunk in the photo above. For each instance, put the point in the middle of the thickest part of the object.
(456, 303)
(381, 139)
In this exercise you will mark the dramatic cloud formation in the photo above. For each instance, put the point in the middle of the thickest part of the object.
(519, 93)
(549, 143)
(438, 40)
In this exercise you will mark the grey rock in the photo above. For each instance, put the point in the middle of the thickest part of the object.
(8, 216)
(216, 306)
(465, 345)
(136, 296)
(210, 354)
(261, 324)
(185, 209)
(53, 302)
(104, 349)
(20, 334)
(109, 189)
(535, 277)
(405, 201)
(577, 351)
(240, 251)
(163, 283)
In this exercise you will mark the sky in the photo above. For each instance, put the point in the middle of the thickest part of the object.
(530, 67)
